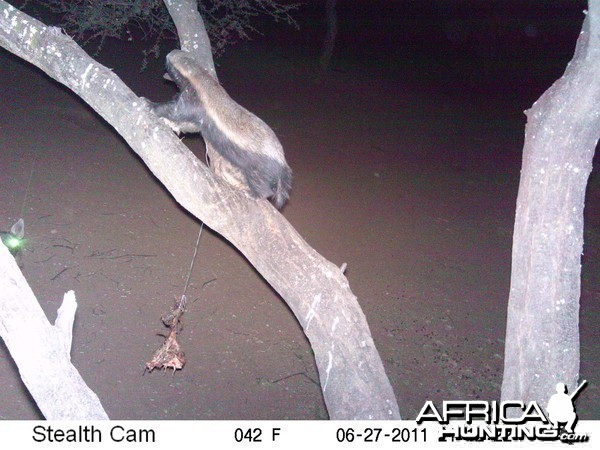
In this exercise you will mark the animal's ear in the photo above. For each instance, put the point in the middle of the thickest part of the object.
(18, 229)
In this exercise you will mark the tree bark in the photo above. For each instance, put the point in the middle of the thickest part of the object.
(193, 37)
(329, 40)
(351, 372)
(42, 351)
(542, 336)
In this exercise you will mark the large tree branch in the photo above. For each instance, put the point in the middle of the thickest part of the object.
(542, 338)
(351, 372)
(192, 33)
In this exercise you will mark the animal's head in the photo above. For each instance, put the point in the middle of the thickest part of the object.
(13, 239)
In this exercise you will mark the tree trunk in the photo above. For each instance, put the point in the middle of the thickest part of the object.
(542, 336)
(329, 40)
(351, 372)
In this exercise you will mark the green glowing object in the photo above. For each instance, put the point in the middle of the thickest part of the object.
(14, 243)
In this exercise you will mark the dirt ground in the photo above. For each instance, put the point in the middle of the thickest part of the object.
(406, 169)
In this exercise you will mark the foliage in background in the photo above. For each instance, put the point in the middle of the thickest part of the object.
(91, 22)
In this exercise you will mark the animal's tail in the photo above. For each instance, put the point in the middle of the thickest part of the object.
(282, 190)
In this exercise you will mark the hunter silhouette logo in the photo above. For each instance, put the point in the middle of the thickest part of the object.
(561, 409)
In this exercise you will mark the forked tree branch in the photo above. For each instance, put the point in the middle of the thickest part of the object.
(351, 372)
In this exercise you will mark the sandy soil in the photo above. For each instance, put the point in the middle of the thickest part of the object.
(407, 170)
